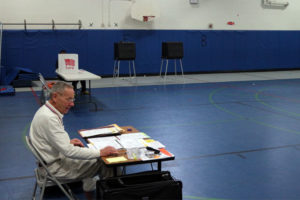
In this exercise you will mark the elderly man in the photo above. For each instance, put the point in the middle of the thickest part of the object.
(66, 158)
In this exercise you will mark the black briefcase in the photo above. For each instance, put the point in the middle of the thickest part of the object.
(151, 185)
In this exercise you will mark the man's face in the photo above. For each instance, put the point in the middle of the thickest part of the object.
(64, 101)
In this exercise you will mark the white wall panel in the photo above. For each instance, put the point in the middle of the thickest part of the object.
(175, 14)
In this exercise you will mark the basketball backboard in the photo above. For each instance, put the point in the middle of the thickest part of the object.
(145, 10)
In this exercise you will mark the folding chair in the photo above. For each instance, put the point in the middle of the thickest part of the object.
(45, 93)
(45, 179)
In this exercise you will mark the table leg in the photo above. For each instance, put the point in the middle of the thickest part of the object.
(159, 166)
(90, 91)
(115, 171)
(90, 96)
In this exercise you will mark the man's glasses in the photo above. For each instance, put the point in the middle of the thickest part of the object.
(70, 100)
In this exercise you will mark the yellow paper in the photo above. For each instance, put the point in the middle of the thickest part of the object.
(150, 140)
(116, 159)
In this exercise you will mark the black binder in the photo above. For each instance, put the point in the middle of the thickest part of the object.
(151, 185)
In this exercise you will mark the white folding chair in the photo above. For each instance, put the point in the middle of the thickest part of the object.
(45, 93)
(45, 179)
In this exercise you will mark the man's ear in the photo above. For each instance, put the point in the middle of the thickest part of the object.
(54, 96)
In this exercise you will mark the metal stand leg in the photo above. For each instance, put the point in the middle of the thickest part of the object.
(133, 65)
(161, 65)
(64, 191)
(181, 69)
(90, 96)
(129, 68)
(118, 69)
(167, 63)
(131, 62)
(114, 72)
(175, 67)
(43, 189)
(34, 191)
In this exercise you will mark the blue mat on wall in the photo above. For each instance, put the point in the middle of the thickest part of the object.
(204, 51)
(9, 74)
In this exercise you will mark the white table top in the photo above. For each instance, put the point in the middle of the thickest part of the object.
(79, 76)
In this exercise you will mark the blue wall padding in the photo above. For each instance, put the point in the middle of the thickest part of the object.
(2, 75)
(204, 51)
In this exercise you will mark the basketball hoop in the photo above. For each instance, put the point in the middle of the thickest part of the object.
(145, 10)
(148, 18)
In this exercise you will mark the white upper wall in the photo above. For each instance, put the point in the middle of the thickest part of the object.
(174, 14)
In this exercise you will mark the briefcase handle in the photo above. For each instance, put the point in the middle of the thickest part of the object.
(121, 182)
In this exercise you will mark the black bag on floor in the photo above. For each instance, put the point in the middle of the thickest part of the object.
(152, 185)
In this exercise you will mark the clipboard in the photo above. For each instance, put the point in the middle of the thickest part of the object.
(110, 130)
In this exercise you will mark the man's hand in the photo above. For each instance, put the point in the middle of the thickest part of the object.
(76, 142)
(109, 151)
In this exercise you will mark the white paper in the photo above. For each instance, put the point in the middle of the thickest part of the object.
(139, 135)
(91, 146)
(100, 131)
(102, 142)
(154, 144)
(130, 143)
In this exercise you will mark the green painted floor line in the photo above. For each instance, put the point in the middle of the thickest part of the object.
(246, 118)
(220, 107)
(190, 124)
(24, 133)
(272, 107)
(275, 127)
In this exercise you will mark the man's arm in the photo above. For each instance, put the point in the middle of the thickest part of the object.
(59, 139)
(76, 142)
(107, 151)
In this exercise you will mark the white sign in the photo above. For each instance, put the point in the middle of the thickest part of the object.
(67, 63)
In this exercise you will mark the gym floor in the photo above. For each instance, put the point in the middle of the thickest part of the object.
(234, 135)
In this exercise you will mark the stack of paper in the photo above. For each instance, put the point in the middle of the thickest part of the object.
(102, 142)
(109, 130)
(139, 135)
(130, 143)
(153, 143)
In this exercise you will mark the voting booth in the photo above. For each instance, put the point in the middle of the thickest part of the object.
(67, 63)
(124, 51)
(174, 51)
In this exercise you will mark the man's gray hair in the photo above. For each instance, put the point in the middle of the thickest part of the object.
(59, 87)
